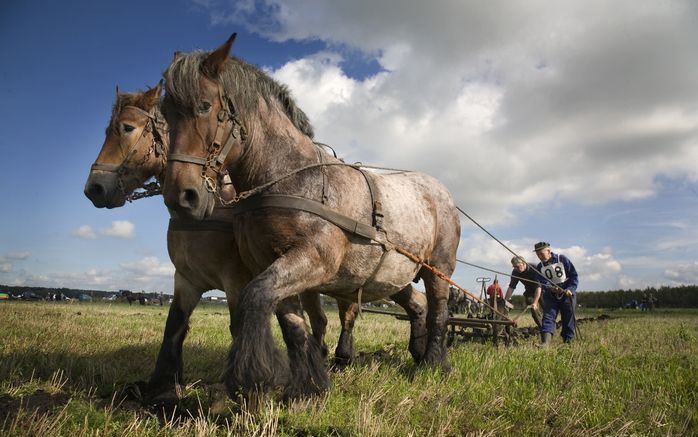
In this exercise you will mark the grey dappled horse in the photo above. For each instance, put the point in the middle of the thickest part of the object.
(225, 114)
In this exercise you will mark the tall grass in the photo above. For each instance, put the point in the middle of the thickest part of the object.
(62, 366)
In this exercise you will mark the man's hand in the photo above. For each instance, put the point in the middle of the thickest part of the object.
(508, 304)
(534, 306)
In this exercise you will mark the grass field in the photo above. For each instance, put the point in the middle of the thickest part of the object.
(61, 366)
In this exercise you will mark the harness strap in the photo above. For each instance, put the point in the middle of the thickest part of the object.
(220, 159)
(105, 167)
(323, 171)
(311, 206)
(137, 109)
(186, 158)
(377, 213)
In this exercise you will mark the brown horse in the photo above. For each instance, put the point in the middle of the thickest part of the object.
(225, 114)
(203, 253)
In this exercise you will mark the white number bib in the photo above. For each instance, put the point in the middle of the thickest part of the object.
(555, 273)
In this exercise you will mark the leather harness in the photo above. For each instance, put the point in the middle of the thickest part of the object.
(227, 118)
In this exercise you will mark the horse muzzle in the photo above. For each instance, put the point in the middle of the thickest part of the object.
(103, 190)
(192, 203)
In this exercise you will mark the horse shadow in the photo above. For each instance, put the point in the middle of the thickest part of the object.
(103, 378)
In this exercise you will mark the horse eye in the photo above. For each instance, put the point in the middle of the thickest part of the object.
(204, 107)
(128, 128)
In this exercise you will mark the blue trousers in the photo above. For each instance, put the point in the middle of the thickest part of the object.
(551, 307)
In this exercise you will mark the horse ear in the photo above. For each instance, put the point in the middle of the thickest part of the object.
(152, 96)
(118, 93)
(176, 56)
(214, 63)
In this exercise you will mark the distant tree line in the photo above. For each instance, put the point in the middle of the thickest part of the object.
(44, 291)
(685, 296)
(68, 292)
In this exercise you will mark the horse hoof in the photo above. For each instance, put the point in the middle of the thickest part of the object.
(165, 397)
(341, 362)
(133, 391)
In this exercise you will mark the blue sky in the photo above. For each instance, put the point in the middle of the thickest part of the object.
(567, 123)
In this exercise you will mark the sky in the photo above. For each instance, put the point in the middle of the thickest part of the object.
(570, 122)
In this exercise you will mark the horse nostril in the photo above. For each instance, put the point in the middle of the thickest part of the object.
(95, 191)
(189, 199)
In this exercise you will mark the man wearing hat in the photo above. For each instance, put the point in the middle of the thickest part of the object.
(559, 281)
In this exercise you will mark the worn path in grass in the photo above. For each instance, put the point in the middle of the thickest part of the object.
(637, 374)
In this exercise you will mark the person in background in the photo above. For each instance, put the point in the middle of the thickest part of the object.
(527, 275)
(559, 282)
(495, 288)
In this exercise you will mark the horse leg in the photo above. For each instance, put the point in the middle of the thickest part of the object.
(318, 320)
(415, 304)
(168, 367)
(306, 361)
(437, 318)
(254, 362)
(344, 353)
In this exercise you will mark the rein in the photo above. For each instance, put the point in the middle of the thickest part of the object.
(157, 147)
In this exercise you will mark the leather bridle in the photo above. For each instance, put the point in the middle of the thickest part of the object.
(156, 147)
(218, 150)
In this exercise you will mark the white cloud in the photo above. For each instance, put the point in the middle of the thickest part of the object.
(514, 106)
(149, 266)
(564, 101)
(85, 232)
(684, 274)
(149, 274)
(6, 260)
(91, 279)
(17, 256)
(120, 229)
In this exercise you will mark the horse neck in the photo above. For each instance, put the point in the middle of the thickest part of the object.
(274, 147)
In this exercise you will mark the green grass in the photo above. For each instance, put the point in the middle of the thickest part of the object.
(636, 374)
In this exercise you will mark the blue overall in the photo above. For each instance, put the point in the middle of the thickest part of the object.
(552, 306)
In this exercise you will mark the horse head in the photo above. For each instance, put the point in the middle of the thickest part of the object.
(220, 110)
(205, 133)
(134, 149)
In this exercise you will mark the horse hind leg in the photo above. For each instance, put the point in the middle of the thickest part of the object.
(305, 355)
(312, 305)
(344, 353)
(415, 304)
(437, 318)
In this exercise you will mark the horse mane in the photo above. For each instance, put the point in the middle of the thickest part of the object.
(249, 82)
